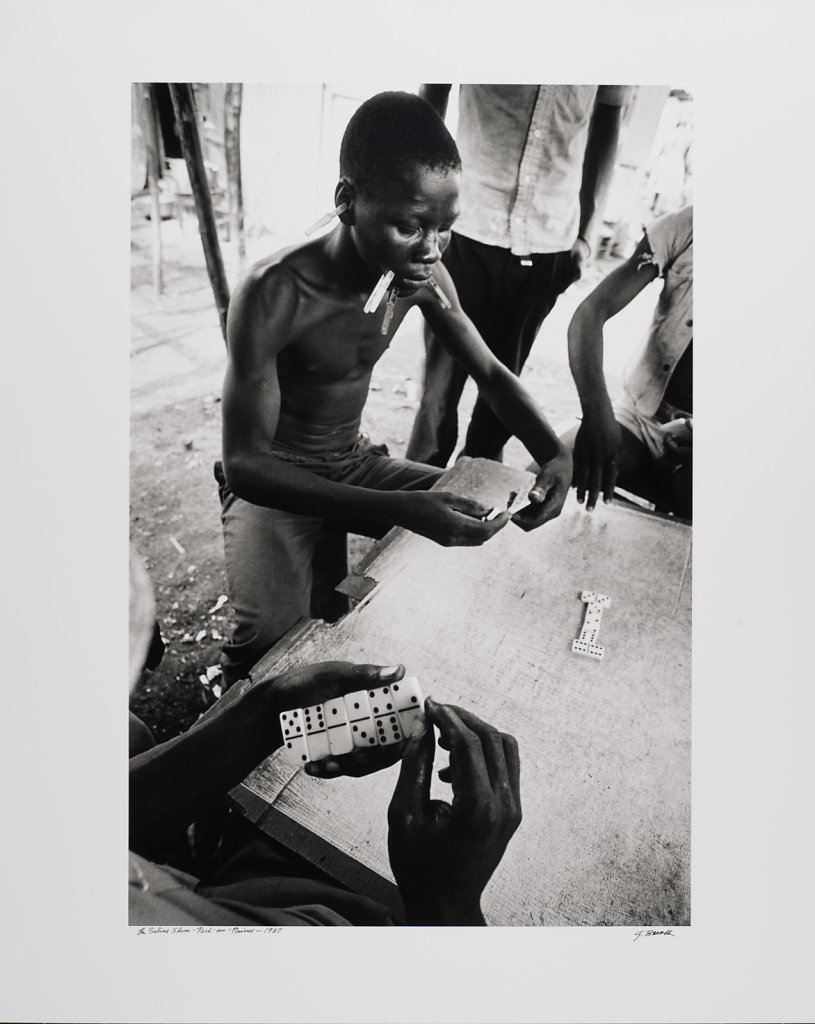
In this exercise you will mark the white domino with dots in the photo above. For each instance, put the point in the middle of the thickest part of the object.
(336, 724)
(586, 643)
(386, 719)
(316, 736)
(360, 720)
(294, 740)
(408, 701)
(368, 718)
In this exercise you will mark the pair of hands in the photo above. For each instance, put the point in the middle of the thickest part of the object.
(442, 854)
(455, 521)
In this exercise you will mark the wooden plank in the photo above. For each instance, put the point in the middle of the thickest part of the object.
(605, 745)
(333, 862)
(233, 101)
(187, 123)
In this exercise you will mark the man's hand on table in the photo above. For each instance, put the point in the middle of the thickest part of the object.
(442, 855)
(596, 456)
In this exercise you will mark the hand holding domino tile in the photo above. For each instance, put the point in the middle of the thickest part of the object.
(546, 497)
(355, 733)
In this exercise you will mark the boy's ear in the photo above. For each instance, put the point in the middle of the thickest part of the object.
(345, 193)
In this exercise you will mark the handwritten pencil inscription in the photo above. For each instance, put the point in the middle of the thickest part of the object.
(647, 933)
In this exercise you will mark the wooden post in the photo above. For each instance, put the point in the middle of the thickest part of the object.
(150, 132)
(187, 123)
(233, 98)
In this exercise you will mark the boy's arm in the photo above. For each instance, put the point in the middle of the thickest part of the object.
(259, 327)
(597, 444)
(507, 398)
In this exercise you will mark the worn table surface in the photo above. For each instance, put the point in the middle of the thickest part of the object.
(605, 745)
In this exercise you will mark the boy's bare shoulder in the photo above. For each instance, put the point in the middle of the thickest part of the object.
(292, 270)
(265, 307)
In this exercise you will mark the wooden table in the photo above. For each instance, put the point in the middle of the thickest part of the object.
(605, 745)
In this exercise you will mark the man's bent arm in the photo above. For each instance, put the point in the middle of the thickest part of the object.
(585, 334)
(174, 782)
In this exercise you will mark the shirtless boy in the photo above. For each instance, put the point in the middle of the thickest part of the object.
(301, 354)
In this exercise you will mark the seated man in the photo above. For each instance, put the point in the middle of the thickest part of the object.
(303, 338)
(643, 442)
(442, 855)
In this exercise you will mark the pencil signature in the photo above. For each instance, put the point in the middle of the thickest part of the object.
(200, 929)
(646, 933)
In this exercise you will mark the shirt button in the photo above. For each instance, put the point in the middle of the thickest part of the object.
(689, 323)
(526, 179)
(666, 367)
(537, 133)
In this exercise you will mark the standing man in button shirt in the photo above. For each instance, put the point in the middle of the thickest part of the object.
(536, 163)
(644, 441)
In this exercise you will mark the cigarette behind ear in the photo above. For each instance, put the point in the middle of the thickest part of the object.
(327, 218)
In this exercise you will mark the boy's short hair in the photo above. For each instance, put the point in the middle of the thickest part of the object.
(391, 131)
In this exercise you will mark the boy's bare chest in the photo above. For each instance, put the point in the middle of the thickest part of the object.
(338, 344)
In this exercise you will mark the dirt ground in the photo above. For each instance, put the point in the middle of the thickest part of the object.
(177, 364)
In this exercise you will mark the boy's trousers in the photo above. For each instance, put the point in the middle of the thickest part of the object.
(269, 553)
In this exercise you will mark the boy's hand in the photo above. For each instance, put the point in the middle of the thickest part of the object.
(678, 441)
(596, 457)
(442, 855)
(549, 492)
(312, 684)
(448, 519)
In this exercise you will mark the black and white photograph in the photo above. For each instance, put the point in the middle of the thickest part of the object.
(351, 402)
(352, 443)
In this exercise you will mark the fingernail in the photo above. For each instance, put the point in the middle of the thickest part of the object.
(536, 495)
(419, 725)
(389, 670)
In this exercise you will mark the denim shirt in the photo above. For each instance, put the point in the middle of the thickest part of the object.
(646, 376)
(522, 149)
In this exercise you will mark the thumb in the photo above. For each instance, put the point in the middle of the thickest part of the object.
(469, 507)
(538, 493)
(312, 684)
